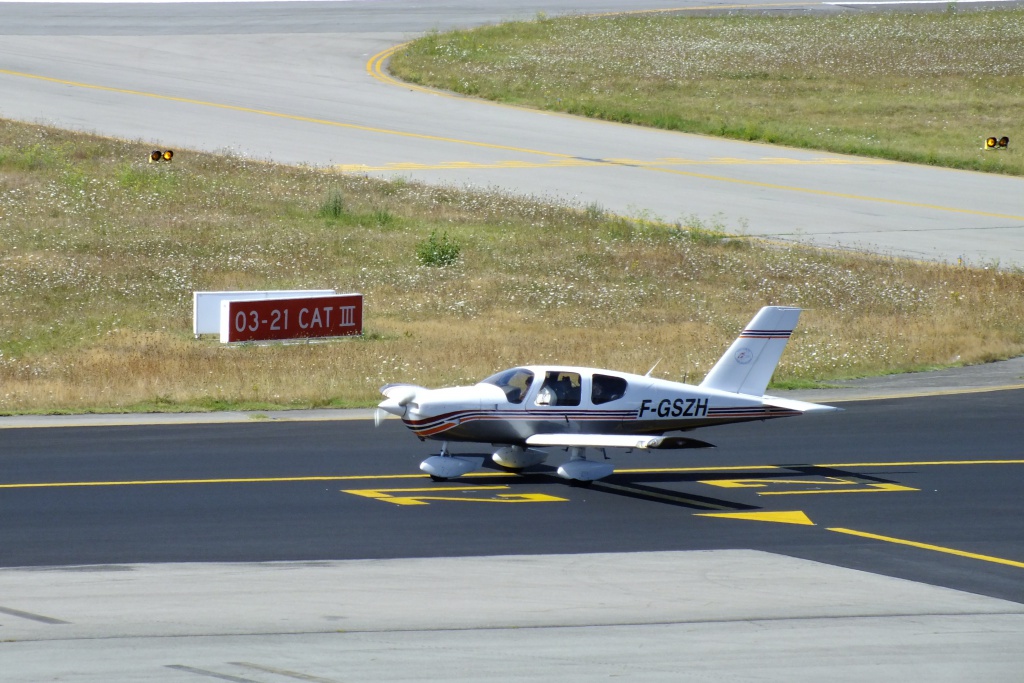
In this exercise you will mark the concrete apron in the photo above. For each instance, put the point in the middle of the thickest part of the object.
(699, 615)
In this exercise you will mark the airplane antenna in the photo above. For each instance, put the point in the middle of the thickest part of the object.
(652, 368)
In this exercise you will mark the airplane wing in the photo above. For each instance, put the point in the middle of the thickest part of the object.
(614, 441)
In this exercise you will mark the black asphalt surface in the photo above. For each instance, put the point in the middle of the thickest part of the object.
(919, 470)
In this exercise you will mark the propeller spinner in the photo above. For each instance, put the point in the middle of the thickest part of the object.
(399, 397)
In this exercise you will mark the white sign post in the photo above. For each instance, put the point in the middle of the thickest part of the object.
(206, 305)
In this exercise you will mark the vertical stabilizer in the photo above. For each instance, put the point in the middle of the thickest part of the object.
(747, 366)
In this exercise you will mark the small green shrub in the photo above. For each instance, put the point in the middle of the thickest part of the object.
(333, 207)
(438, 251)
(383, 217)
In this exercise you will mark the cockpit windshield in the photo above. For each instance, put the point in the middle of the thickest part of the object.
(515, 383)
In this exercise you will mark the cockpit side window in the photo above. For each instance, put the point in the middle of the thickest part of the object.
(606, 389)
(560, 389)
(515, 383)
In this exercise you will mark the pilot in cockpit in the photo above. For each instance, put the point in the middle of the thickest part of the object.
(560, 389)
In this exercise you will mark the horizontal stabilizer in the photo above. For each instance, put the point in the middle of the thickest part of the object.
(615, 441)
(801, 406)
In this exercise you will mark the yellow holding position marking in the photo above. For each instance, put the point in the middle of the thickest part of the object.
(761, 483)
(870, 488)
(846, 484)
(427, 495)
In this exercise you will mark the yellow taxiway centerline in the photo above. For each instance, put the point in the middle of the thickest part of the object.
(279, 115)
(835, 195)
(489, 475)
(657, 164)
(236, 480)
(375, 68)
(928, 546)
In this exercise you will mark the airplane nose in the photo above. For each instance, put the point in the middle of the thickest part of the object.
(393, 406)
(389, 406)
(397, 404)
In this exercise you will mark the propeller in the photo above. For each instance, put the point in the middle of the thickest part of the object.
(398, 399)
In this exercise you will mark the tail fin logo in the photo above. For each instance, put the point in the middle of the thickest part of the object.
(747, 366)
(744, 356)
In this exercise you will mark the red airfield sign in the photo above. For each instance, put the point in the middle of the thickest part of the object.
(340, 315)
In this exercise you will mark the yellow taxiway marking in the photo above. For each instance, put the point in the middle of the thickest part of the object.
(750, 468)
(836, 195)
(923, 463)
(870, 488)
(428, 495)
(928, 546)
(575, 162)
(280, 115)
(385, 493)
(798, 517)
(847, 486)
(375, 68)
(240, 480)
(787, 517)
(486, 475)
(763, 483)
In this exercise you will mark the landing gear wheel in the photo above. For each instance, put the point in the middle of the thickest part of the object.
(434, 477)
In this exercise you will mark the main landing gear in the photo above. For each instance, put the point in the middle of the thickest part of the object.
(446, 466)
(579, 470)
(582, 471)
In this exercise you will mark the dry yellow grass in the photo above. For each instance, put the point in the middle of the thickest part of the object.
(100, 253)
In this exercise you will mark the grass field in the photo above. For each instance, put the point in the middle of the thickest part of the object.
(925, 88)
(100, 253)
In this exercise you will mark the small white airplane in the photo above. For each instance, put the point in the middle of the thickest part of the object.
(525, 409)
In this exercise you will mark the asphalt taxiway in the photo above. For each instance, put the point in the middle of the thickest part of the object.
(327, 490)
(881, 539)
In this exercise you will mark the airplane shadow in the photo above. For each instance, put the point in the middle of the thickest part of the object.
(660, 487)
